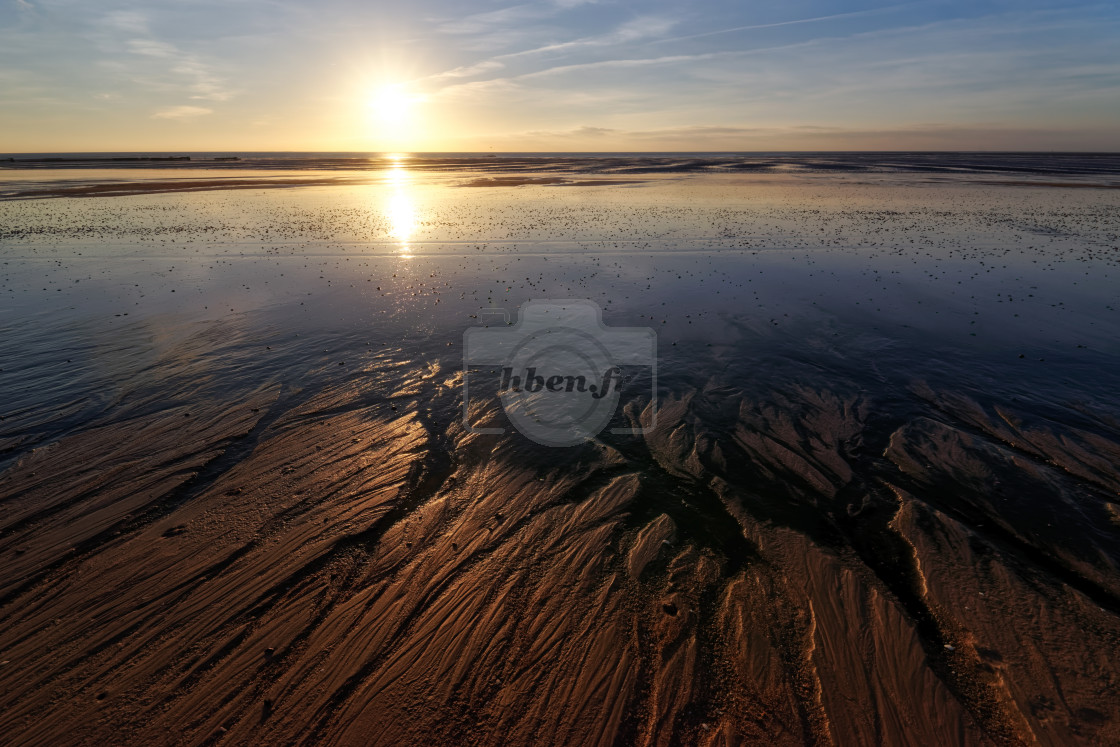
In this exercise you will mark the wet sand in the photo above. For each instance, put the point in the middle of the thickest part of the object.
(520, 181)
(133, 187)
(123, 187)
(238, 503)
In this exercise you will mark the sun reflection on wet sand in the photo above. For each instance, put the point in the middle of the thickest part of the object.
(399, 207)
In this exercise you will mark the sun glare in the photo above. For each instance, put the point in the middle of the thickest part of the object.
(402, 219)
(392, 104)
(395, 121)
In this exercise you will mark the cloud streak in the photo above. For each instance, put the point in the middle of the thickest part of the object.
(167, 66)
(931, 136)
(182, 112)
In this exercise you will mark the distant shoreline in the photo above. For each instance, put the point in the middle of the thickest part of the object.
(106, 175)
(991, 163)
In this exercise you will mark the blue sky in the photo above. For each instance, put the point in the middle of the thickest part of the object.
(562, 75)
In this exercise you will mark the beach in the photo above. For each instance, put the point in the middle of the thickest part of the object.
(871, 495)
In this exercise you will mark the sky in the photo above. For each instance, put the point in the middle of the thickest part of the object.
(565, 75)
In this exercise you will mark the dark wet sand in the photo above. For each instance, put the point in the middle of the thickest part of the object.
(131, 187)
(880, 506)
(520, 181)
(128, 187)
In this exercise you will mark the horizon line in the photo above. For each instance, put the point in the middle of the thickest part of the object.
(400, 153)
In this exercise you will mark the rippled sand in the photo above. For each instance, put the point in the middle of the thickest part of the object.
(880, 504)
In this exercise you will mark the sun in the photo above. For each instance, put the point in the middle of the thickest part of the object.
(393, 105)
(395, 118)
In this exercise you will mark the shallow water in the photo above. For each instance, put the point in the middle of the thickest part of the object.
(801, 274)
(875, 392)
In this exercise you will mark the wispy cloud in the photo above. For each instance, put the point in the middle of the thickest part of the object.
(621, 63)
(638, 28)
(167, 67)
(647, 28)
(932, 136)
(559, 70)
(578, 132)
(465, 71)
(692, 132)
(956, 68)
(182, 112)
(126, 21)
(792, 22)
(478, 23)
